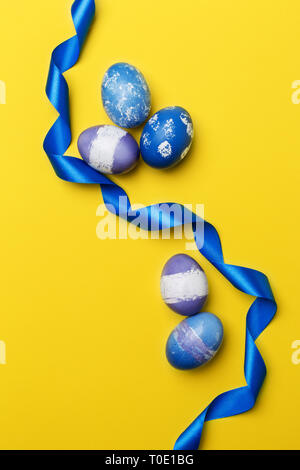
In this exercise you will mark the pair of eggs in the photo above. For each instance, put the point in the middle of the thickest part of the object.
(196, 339)
(166, 137)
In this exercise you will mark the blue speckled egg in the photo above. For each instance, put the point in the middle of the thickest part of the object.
(183, 285)
(195, 341)
(167, 137)
(108, 149)
(126, 95)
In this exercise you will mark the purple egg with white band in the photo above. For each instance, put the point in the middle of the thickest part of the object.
(183, 285)
(108, 149)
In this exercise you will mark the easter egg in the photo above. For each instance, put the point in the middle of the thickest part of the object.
(125, 95)
(108, 149)
(183, 285)
(195, 341)
(167, 137)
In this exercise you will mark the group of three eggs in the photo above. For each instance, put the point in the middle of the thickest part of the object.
(166, 137)
(165, 140)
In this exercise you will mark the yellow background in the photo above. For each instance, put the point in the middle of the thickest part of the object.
(83, 321)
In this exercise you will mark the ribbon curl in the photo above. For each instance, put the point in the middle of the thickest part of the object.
(247, 280)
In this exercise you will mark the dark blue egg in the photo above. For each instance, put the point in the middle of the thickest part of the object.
(195, 341)
(125, 95)
(167, 137)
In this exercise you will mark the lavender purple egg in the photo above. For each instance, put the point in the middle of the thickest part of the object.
(108, 149)
(183, 285)
(195, 341)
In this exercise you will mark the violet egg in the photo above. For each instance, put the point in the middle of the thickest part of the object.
(183, 285)
(108, 149)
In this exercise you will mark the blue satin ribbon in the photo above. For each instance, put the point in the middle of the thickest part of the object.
(247, 280)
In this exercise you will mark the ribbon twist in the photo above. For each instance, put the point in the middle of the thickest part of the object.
(247, 280)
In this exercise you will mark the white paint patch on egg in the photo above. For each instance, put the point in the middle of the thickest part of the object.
(103, 148)
(109, 82)
(154, 122)
(184, 286)
(165, 149)
(189, 125)
(169, 128)
(146, 140)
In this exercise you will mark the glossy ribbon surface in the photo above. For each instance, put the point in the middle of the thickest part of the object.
(247, 280)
